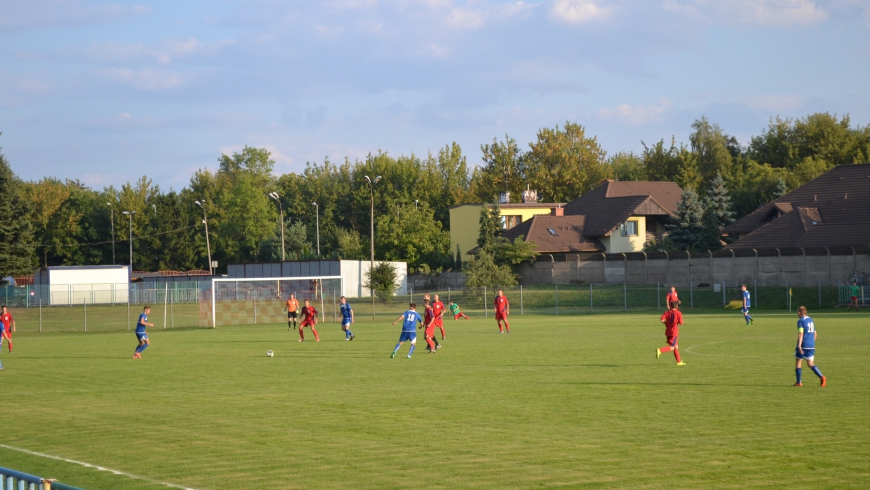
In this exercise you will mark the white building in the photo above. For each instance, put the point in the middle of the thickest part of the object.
(82, 284)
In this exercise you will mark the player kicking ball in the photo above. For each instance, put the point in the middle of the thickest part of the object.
(409, 319)
(309, 319)
(141, 335)
(806, 347)
(672, 319)
(346, 318)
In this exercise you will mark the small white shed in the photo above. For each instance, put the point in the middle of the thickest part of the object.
(83, 284)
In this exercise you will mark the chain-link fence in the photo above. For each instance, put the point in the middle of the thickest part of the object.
(189, 307)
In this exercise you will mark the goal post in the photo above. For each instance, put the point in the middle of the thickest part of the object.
(251, 301)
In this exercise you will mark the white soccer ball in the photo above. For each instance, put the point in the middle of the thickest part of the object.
(269, 353)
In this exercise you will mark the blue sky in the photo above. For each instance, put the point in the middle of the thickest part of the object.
(108, 92)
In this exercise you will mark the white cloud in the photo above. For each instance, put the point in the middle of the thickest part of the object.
(145, 79)
(578, 11)
(466, 18)
(636, 115)
(752, 12)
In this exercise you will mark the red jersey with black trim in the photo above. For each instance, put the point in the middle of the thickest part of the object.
(309, 313)
(673, 319)
(428, 315)
(437, 311)
(6, 318)
(501, 303)
(671, 297)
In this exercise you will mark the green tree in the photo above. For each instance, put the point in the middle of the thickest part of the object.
(513, 253)
(412, 234)
(502, 171)
(381, 279)
(686, 232)
(484, 272)
(717, 214)
(627, 166)
(564, 164)
(711, 148)
(16, 245)
(490, 225)
(350, 245)
(673, 164)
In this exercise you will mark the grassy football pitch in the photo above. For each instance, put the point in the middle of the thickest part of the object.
(567, 401)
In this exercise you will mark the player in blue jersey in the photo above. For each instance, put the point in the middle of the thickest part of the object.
(409, 329)
(746, 304)
(140, 332)
(346, 319)
(806, 347)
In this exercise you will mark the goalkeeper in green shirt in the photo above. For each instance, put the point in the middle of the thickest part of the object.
(855, 290)
(454, 310)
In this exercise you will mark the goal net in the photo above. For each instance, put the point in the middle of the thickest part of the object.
(263, 300)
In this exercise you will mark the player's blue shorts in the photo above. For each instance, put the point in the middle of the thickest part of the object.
(141, 336)
(408, 337)
(808, 354)
(345, 322)
(745, 310)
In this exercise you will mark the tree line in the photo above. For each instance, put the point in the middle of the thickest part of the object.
(64, 222)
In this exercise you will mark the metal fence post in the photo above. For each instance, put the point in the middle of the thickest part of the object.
(128, 307)
(255, 310)
(624, 296)
(691, 296)
(755, 293)
(590, 297)
(820, 293)
(787, 297)
(659, 294)
(485, 312)
(448, 295)
(723, 293)
(557, 299)
(85, 303)
(40, 313)
(521, 300)
(172, 307)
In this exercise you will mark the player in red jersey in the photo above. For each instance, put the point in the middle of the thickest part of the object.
(439, 309)
(671, 297)
(429, 324)
(309, 319)
(9, 326)
(672, 319)
(502, 310)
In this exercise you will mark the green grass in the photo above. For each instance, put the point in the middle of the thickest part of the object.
(578, 402)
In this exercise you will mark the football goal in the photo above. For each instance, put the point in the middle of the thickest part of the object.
(262, 300)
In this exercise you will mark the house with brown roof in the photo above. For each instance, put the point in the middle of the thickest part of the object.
(832, 210)
(614, 217)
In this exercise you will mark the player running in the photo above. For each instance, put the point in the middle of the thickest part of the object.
(671, 297)
(746, 304)
(672, 319)
(8, 326)
(454, 310)
(309, 319)
(854, 289)
(429, 323)
(409, 332)
(346, 318)
(502, 310)
(141, 335)
(806, 347)
(438, 309)
(292, 308)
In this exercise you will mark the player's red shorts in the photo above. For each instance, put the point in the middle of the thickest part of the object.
(307, 323)
(672, 339)
(430, 331)
(500, 315)
(439, 322)
(854, 299)
(456, 316)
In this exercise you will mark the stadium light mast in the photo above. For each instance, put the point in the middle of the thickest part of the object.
(276, 197)
(130, 215)
(371, 184)
(112, 212)
(317, 213)
(416, 201)
(207, 244)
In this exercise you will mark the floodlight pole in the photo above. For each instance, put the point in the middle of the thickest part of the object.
(112, 211)
(317, 214)
(275, 196)
(371, 184)
(207, 244)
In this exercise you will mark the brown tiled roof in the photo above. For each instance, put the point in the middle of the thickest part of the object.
(832, 210)
(569, 235)
(611, 203)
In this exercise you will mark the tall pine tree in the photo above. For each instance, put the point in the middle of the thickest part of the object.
(717, 214)
(490, 225)
(688, 230)
(16, 234)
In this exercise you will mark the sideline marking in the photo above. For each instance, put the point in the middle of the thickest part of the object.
(100, 468)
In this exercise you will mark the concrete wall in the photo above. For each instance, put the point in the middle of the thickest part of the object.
(679, 268)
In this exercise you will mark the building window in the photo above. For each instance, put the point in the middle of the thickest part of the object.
(651, 225)
(629, 228)
(552, 232)
(512, 220)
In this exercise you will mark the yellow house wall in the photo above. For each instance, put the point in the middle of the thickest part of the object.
(465, 225)
(616, 243)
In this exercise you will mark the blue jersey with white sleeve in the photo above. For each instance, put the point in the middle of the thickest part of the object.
(410, 322)
(345, 313)
(140, 326)
(808, 328)
(746, 299)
